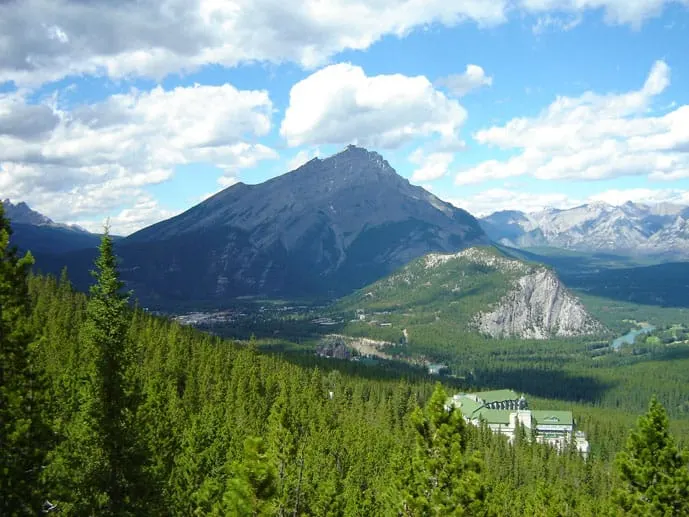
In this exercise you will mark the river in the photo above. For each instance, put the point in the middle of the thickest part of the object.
(630, 336)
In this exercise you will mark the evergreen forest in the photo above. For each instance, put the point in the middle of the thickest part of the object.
(107, 410)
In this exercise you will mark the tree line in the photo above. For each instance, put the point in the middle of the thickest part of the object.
(106, 410)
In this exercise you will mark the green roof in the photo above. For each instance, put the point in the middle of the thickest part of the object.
(495, 416)
(497, 395)
(468, 407)
(551, 417)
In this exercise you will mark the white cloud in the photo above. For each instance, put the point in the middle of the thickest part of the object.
(97, 158)
(339, 104)
(493, 200)
(302, 157)
(549, 22)
(154, 38)
(618, 197)
(144, 212)
(618, 12)
(432, 166)
(592, 137)
(473, 78)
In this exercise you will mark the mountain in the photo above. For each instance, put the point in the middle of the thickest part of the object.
(36, 232)
(633, 229)
(480, 289)
(328, 227)
(21, 213)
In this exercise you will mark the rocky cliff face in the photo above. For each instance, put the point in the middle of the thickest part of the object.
(480, 289)
(538, 307)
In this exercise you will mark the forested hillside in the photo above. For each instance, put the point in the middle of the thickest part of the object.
(106, 410)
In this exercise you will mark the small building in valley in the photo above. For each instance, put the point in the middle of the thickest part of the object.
(504, 412)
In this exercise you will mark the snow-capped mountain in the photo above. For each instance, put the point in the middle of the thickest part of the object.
(631, 228)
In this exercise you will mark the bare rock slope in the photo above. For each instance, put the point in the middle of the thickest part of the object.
(481, 289)
(538, 307)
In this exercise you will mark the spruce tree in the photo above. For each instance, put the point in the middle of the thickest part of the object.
(443, 480)
(249, 489)
(99, 466)
(22, 432)
(653, 474)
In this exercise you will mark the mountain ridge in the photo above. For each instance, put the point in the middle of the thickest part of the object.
(38, 233)
(630, 228)
(323, 229)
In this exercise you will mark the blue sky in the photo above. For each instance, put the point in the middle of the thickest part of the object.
(137, 111)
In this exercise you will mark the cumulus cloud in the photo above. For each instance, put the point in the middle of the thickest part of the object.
(144, 212)
(473, 78)
(98, 158)
(592, 137)
(340, 104)
(153, 38)
(431, 166)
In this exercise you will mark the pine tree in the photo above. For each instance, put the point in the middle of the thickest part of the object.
(652, 470)
(99, 466)
(249, 490)
(22, 432)
(283, 446)
(443, 480)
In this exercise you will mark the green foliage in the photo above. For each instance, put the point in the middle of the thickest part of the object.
(652, 470)
(98, 465)
(249, 489)
(443, 480)
(209, 426)
(23, 435)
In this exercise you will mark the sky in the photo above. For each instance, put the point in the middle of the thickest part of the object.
(136, 110)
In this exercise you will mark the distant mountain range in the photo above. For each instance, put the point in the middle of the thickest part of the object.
(660, 230)
(336, 224)
(36, 232)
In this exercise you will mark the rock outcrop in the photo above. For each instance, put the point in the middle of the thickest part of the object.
(480, 289)
(538, 307)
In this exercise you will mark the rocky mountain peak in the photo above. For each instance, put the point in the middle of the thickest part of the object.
(353, 165)
(331, 225)
(23, 214)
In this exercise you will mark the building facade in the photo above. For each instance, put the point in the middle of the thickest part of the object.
(505, 412)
